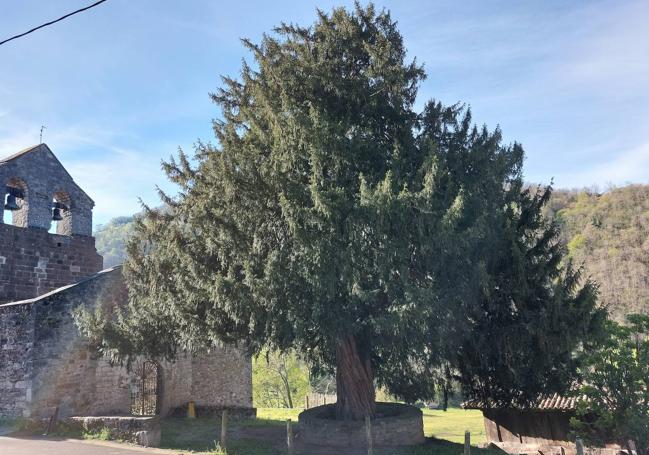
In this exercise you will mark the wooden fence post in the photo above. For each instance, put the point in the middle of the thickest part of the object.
(51, 425)
(306, 401)
(467, 443)
(580, 446)
(368, 434)
(224, 430)
(289, 437)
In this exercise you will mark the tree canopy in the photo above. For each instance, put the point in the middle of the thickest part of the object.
(394, 247)
(615, 387)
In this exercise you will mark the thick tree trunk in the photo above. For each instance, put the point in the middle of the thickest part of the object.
(354, 382)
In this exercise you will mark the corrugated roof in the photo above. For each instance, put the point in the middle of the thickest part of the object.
(553, 402)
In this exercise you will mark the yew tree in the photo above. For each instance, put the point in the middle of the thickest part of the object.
(330, 217)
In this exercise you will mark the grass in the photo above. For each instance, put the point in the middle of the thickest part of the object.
(101, 435)
(450, 425)
(201, 435)
(278, 414)
(9, 424)
(260, 436)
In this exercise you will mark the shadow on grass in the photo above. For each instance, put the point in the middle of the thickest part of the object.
(245, 437)
(268, 437)
(435, 446)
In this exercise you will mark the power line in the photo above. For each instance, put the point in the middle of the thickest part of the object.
(52, 22)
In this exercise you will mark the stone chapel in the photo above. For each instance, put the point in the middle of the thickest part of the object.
(49, 266)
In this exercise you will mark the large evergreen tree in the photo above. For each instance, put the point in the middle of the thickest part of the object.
(330, 217)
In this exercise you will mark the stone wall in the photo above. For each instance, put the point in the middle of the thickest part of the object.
(216, 380)
(16, 335)
(45, 364)
(43, 179)
(33, 262)
(226, 369)
(395, 424)
(59, 371)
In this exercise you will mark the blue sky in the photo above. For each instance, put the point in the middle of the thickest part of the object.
(122, 86)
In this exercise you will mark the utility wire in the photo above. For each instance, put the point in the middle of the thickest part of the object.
(52, 22)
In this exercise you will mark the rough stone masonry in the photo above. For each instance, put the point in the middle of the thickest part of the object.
(45, 366)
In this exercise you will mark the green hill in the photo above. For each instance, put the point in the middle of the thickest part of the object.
(609, 234)
(606, 233)
(111, 239)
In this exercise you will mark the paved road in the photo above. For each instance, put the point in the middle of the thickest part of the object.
(19, 446)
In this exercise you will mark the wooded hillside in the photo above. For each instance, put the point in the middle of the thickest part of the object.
(111, 239)
(608, 233)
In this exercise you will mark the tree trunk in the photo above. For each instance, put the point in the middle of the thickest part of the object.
(354, 382)
(282, 372)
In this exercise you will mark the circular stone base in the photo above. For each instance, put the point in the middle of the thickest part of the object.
(394, 425)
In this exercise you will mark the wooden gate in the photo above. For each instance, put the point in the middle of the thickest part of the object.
(144, 393)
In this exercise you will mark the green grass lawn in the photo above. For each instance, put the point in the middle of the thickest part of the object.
(278, 414)
(246, 436)
(451, 425)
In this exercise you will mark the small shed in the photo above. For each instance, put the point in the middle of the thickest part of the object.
(542, 427)
(546, 422)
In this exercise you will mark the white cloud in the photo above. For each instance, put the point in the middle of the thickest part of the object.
(611, 54)
(113, 176)
(115, 183)
(628, 166)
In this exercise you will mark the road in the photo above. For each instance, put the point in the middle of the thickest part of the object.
(21, 446)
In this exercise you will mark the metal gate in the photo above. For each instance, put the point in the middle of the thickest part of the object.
(144, 393)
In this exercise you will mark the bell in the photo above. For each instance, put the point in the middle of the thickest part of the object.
(11, 203)
(56, 214)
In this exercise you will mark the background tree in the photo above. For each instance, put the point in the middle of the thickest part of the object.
(532, 313)
(279, 380)
(615, 375)
(333, 219)
(111, 239)
(609, 233)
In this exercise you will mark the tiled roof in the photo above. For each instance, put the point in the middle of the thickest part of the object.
(553, 402)
(558, 402)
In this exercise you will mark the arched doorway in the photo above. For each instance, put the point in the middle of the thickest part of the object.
(145, 389)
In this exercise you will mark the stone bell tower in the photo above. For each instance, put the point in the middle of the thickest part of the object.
(36, 256)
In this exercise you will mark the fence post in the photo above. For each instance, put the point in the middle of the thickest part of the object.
(368, 434)
(51, 425)
(224, 430)
(289, 437)
(306, 401)
(467, 443)
(580, 446)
